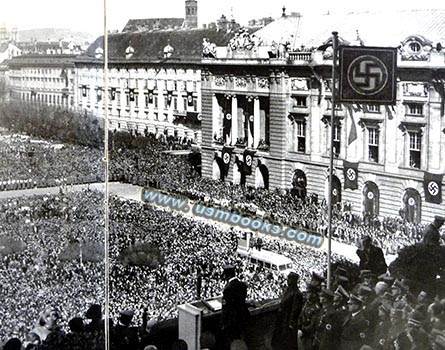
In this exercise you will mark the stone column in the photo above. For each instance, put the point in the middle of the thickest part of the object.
(256, 122)
(234, 119)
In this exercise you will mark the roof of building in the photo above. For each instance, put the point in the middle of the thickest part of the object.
(134, 25)
(35, 60)
(313, 30)
(149, 45)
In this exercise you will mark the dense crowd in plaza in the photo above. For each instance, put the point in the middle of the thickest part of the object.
(42, 163)
(39, 272)
(176, 175)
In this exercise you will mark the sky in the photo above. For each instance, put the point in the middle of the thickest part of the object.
(88, 15)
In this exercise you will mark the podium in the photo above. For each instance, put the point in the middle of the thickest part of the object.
(189, 319)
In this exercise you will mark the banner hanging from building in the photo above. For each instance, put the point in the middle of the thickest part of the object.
(131, 93)
(351, 175)
(367, 75)
(226, 156)
(248, 161)
(432, 185)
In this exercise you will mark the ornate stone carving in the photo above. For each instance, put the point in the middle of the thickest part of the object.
(241, 82)
(415, 89)
(416, 48)
(220, 81)
(263, 83)
(300, 84)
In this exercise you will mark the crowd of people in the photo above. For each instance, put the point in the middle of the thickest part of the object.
(36, 274)
(43, 163)
(176, 175)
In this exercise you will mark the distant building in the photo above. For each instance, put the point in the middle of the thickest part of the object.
(189, 22)
(42, 79)
(261, 22)
(51, 47)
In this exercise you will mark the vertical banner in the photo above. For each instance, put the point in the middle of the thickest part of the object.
(190, 99)
(131, 93)
(226, 157)
(113, 94)
(248, 161)
(432, 185)
(351, 175)
(150, 96)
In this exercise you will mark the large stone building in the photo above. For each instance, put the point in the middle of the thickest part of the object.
(154, 80)
(273, 103)
(46, 79)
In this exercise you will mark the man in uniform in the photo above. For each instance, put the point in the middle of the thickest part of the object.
(309, 316)
(355, 326)
(431, 234)
(326, 334)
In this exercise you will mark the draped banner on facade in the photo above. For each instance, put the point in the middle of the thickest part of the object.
(190, 99)
(432, 185)
(131, 93)
(226, 156)
(150, 96)
(248, 161)
(351, 175)
(227, 126)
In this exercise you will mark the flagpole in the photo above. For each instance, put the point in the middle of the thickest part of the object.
(331, 150)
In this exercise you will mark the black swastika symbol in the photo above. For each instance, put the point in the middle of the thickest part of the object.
(367, 75)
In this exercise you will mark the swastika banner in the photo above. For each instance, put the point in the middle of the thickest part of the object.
(367, 74)
(351, 175)
(432, 186)
(226, 157)
(248, 161)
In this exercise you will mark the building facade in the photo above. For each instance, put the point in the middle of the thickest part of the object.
(266, 123)
(154, 81)
(43, 79)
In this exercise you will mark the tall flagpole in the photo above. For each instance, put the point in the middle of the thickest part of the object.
(331, 150)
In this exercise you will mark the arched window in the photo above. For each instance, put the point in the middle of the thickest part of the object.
(412, 205)
(299, 184)
(371, 196)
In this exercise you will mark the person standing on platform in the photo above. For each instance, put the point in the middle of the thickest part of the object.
(286, 332)
(371, 257)
(234, 313)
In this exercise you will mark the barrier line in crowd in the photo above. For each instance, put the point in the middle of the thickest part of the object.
(229, 217)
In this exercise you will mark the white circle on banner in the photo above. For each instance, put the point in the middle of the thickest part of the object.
(351, 174)
(249, 160)
(433, 188)
(228, 116)
(334, 192)
(367, 75)
(370, 195)
(411, 201)
(226, 158)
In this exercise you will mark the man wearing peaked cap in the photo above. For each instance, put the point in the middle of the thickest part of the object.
(317, 280)
(125, 337)
(386, 278)
(355, 326)
(371, 257)
(324, 333)
(414, 335)
(309, 315)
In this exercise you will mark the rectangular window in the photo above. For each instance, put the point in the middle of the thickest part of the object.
(146, 100)
(373, 145)
(185, 103)
(165, 102)
(195, 105)
(156, 101)
(373, 108)
(301, 101)
(301, 136)
(337, 133)
(128, 99)
(415, 140)
(414, 108)
(136, 100)
(118, 98)
(175, 103)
